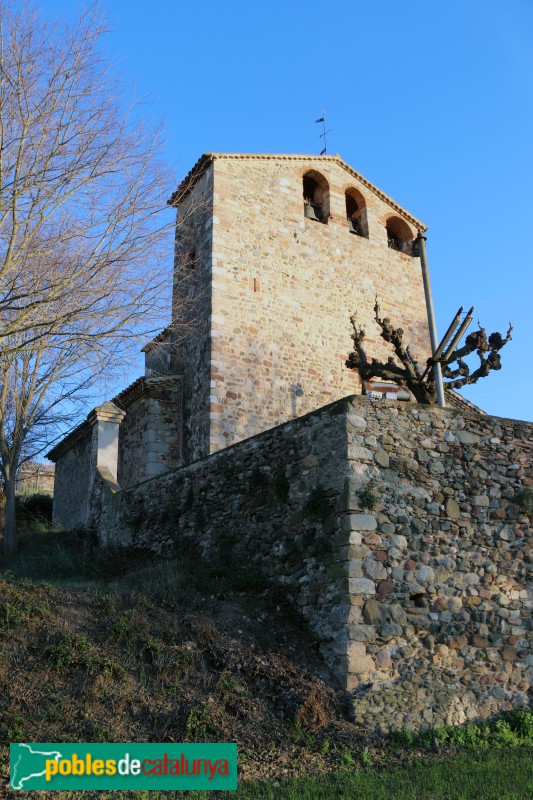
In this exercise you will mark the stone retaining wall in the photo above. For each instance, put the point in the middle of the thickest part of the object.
(398, 531)
(444, 634)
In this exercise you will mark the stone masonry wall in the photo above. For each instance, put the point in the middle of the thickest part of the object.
(444, 633)
(72, 481)
(284, 288)
(420, 602)
(191, 314)
(149, 442)
(269, 502)
(151, 433)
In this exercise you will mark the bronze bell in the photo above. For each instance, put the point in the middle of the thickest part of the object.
(310, 211)
(355, 226)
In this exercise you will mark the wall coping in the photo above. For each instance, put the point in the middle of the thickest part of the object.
(139, 387)
(345, 404)
(107, 412)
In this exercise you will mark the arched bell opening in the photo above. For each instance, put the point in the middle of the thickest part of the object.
(316, 196)
(356, 212)
(399, 235)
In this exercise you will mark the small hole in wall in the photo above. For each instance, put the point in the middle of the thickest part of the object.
(254, 284)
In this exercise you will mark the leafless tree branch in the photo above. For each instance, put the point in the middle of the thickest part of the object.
(409, 374)
(84, 229)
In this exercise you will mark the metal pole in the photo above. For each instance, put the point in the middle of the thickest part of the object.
(444, 342)
(449, 333)
(431, 319)
(457, 338)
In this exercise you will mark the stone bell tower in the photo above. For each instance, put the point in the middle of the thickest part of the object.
(273, 254)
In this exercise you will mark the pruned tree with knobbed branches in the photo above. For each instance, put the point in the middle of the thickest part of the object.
(418, 378)
(84, 229)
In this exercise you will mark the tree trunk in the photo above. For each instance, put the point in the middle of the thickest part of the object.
(10, 523)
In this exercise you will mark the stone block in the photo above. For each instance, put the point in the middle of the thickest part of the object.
(387, 528)
(383, 659)
(358, 551)
(382, 458)
(457, 642)
(398, 614)
(398, 541)
(465, 437)
(374, 569)
(355, 423)
(358, 661)
(362, 633)
(426, 575)
(361, 586)
(373, 612)
(452, 509)
(390, 631)
(359, 453)
(360, 522)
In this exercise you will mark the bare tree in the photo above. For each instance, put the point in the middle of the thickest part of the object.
(83, 228)
(415, 377)
(42, 387)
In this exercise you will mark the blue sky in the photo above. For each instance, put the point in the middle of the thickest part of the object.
(433, 102)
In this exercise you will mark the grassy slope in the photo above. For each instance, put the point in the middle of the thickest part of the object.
(136, 649)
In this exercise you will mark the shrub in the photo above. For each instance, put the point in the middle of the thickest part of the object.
(367, 496)
(509, 730)
(34, 510)
(524, 499)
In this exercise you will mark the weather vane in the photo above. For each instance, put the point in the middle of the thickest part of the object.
(323, 135)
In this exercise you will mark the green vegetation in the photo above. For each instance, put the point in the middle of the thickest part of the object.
(21, 603)
(368, 496)
(494, 776)
(34, 511)
(524, 499)
(502, 775)
(513, 730)
(76, 651)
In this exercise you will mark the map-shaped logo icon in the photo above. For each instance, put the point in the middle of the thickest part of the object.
(27, 762)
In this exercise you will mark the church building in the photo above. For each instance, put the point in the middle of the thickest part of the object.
(398, 532)
(273, 253)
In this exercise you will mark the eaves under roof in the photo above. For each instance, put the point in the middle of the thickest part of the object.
(208, 158)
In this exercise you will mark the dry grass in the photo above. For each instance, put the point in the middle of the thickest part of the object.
(132, 648)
